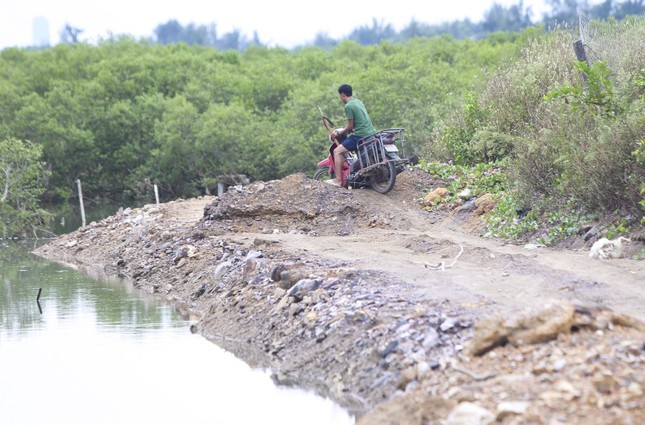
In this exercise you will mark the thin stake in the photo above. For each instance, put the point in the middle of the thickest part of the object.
(157, 194)
(80, 199)
(40, 290)
(581, 55)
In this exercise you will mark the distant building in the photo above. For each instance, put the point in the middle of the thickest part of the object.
(40, 29)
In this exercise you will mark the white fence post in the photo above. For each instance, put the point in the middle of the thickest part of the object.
(80, 199)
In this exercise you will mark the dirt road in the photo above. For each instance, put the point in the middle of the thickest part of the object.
(371, 300)
(398, 237)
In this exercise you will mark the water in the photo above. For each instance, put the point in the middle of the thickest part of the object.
(101, 353)
(67, 216)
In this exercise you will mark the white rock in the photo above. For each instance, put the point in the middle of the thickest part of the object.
(221, 269)
(465, 194)
(469, 414)
(507, 408)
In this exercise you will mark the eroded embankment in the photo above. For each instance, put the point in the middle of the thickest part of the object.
(361, 335)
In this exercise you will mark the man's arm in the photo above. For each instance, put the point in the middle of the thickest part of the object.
(346, 130)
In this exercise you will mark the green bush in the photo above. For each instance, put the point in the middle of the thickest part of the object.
(563, 139)
(22, 180)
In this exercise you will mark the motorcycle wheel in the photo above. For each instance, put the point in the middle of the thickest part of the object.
(323, 174)
(384, 179)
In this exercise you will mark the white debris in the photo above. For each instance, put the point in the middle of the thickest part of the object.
(604, 248)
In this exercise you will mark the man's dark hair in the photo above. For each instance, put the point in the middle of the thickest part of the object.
(345, 89)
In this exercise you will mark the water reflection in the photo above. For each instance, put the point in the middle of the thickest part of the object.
(98, 355)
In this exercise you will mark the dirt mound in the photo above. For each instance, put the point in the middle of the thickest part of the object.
(298, 204)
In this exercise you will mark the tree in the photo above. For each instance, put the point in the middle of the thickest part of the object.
(69, 34)
(513, 18)
(565, 11)
(602, 10)
(378, 32)
(22, 178)
(629, 7)
(168, 33)
(324, 41)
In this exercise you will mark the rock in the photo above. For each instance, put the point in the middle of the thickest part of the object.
(317, 295)
(529, 327)
(221, 269)
(567, 390)
(407, 375)
(281, 305)
(71, 244)
(253, 255)
(422, 369)
(606, 384)
(447, 324)
(436, 196)
(591, 233)
(485, 204)
(330, 283)
(185, 251)
(276, 270)
(389, 348)
(542, 324)
(252, 265)
(635, 390)
(508, 408)
(465, 194)
(303, 287)
(467, 413)
(431, 339)
(604, 248)
(559, 364)
(290, 275)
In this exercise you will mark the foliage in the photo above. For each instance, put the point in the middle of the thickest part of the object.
(620, 226)
(639, 154)
(126, 115)
(596, 97)
(505, 220)
(22, 178)
(581, 148)
(481, 178)
(542, 223)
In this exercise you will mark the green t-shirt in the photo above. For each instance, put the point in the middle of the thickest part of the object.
(355, 110)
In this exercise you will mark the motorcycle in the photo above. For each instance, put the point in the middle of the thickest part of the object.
(375, 164)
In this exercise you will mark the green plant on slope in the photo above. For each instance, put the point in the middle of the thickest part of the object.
(480, 178)
(597, 97)
(639, 154)
(505, 220)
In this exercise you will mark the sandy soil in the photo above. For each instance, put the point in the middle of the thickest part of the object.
(402, 315)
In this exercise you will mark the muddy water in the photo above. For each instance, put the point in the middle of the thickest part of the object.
(100, 353)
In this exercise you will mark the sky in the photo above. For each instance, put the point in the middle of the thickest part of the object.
(285, 23)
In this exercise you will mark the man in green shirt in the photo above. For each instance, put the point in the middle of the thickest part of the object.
(358, 123)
